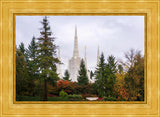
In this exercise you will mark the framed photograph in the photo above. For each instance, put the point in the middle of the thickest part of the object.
(66, 58)
(89, 61)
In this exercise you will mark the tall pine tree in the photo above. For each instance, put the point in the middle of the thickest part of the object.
(31, 64)
(82, 78)
(105, 76)
(110, 70)
(21, 73)
(100, 76)
(46, 56)
(31, 53)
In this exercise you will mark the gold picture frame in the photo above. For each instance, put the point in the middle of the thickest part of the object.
(149, 9)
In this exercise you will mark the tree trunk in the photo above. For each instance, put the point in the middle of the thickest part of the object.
(45, 90)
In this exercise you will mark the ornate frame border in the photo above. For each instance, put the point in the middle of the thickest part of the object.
(10, 8)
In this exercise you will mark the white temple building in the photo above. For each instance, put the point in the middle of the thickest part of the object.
(74, 62)
(98, 56)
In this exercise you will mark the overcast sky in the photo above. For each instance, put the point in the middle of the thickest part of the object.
(113, 34)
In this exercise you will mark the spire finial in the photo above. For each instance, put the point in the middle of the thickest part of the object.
(59, 53)
(75, 30)
(75, 51)
(85, 57)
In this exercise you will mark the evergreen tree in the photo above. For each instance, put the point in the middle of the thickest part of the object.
(31, 53)
(105, 76)
(21, 48)
(112, 64)
(31, 64)
(23, 51)
(46, 56)
(21, 74)
(32, 49)
(82, 78)
(100, 76)
(110, 71)
(66, 76)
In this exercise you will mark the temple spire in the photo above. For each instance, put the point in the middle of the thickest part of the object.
(75, 50)
(85, 58)
(59, 65)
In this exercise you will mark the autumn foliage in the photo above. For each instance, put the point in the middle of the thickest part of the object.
(68, 87)
(75, 88)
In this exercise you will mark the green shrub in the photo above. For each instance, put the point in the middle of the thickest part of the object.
(110, 99)
(75, 97)
(63, 94)
(58, 99)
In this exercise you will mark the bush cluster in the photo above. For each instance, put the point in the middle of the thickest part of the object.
(74, 88)
(63, 94)
(75, 97)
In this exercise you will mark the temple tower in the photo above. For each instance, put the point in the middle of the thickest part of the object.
(74, 62)
(75, 50)
(88, 72)
(85, 58)
(59, 72)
